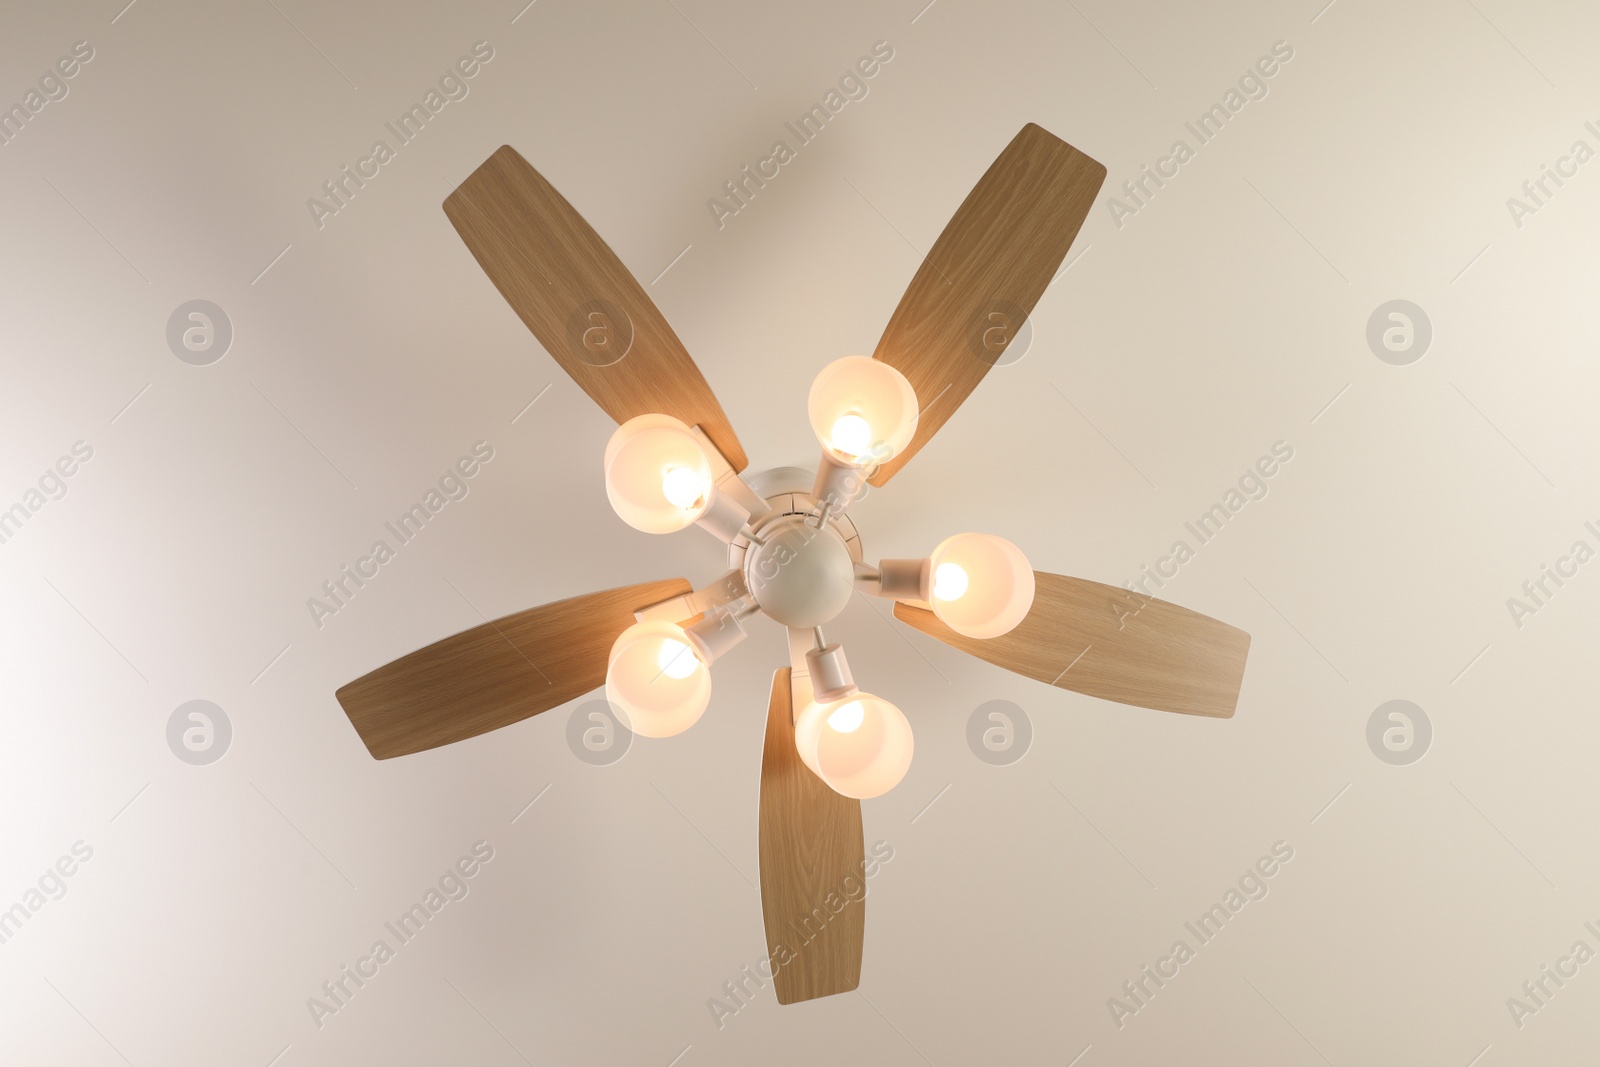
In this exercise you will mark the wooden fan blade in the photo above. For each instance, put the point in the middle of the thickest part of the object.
(812, 859)
(980, 280)
(495, 674)
(580, 301)
(1114, 644)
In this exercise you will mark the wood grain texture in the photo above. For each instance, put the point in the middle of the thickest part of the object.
(580, 301)
(1114, 644)
(984, 274)
(495, 674)
(812, 860)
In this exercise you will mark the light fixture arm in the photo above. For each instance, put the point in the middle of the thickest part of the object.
(838, 485)
(908, 580)
(725, 517)
(728, 589)
(830, 673)
(717, 631)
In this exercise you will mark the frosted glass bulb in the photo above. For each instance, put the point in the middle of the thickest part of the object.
(658, 478)
(656, 680)
(949, 582)
(847, 717)
(860, 746)
(852, 435)
(676, 659)
(982, 585)
(862, 410)
(682, 487)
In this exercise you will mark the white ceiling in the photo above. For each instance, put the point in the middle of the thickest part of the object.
(1225, 316)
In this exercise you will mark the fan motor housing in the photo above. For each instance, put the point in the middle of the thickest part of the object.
(803, 575)
(800, 574)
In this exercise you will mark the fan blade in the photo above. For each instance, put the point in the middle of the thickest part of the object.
(811, 850)
(983, 275)
(495, 674)
(1114, 644)
(580, 301)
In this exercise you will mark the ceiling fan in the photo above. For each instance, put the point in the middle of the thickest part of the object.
(794, 552)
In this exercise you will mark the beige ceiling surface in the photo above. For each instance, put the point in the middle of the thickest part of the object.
(1432, 871)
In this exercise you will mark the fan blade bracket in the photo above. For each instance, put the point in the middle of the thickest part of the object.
(801, 642)
(679, 609)
(728, 589)
(730, 482)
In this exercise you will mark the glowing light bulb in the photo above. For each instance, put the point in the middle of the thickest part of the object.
(861, 746)
(852, 435)
(676, 659)
(982, 585)
(861, 408)
(657, 477)
(656, 681)
(847, 718)
(949, 582)
(682, 487)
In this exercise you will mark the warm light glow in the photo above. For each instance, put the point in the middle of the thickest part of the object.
(847, 717)
(862, 409)
(676, 659)
(949, 582)
(851, 435)
(861, 746)
(682, 487)
(656, 679)
(657, 477)
(982, 585)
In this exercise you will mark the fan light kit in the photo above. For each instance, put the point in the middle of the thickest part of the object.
(799, 571)
(794, 553)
